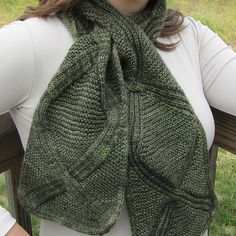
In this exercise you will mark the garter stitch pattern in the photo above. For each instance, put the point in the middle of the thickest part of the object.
(114, 125)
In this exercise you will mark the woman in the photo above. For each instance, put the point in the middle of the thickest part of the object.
(201, 62)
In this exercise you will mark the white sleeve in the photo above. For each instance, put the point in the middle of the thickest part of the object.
(16, 81)
(218, 68)
(16, 65)
(6, 221)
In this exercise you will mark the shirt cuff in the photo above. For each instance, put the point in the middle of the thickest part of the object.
(6, 221)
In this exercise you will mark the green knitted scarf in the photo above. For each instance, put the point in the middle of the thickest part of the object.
(114, 125)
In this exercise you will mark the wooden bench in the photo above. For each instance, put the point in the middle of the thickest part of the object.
(12, 152)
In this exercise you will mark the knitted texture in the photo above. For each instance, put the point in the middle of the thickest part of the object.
(114, 125)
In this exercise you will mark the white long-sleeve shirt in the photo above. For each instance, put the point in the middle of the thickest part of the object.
(31, 51)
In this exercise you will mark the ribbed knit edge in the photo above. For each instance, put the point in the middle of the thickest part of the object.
(66, 222)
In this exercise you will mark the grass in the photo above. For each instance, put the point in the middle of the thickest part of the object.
(224, 223)
(4, 203)
(11, 9)
(220, 16)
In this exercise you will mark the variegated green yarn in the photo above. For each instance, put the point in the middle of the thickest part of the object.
(114, 125)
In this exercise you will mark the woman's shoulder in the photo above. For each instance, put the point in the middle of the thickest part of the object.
(198, 27)
(198, 30)
(34, 21)
(195, 34)
(42, 30)
(51, 27)
(47, 25)
(34, 47)
(29, 24)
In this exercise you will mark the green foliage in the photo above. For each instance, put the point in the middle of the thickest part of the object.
(3, 198)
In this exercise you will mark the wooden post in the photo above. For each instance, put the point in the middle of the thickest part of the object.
(213, 153)
(11, 156)
(225, 135)
(17, 211)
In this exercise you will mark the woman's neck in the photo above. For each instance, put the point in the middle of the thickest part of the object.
(128, 7)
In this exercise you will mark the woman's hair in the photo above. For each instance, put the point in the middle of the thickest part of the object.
(172, 25)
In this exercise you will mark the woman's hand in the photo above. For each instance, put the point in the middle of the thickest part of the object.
(17, 230)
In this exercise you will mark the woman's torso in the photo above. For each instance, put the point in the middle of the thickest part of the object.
(50, 43)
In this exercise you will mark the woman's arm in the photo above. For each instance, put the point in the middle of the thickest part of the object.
(9, 226)
(16, 65)
(6, 221)
(218, 68)
(16, 81)
(17, 230)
